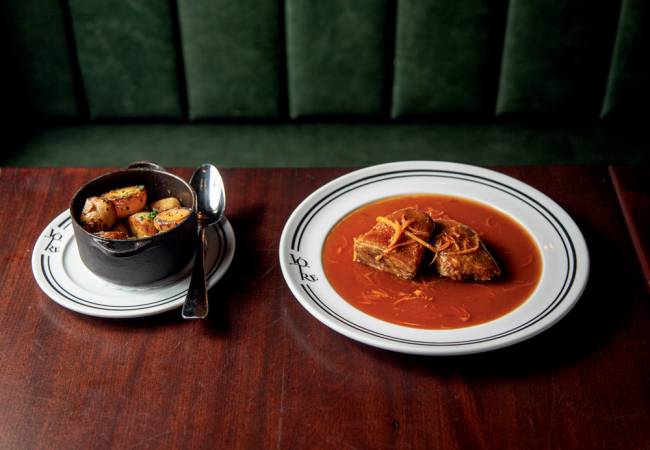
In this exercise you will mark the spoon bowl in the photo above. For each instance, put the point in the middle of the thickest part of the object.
(210, 193)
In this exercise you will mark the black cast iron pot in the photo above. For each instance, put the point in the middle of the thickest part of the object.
(145, 260)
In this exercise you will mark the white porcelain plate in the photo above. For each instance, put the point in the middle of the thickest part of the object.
(65, 279)
(564, 253)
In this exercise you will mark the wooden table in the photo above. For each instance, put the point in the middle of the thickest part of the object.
(260, 372)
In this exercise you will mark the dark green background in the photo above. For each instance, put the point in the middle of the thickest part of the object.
(331, 83)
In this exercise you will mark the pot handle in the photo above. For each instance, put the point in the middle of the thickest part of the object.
(137, 248)
(146, 165)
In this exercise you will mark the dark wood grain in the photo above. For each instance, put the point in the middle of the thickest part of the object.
(632, 185)
(260, 372)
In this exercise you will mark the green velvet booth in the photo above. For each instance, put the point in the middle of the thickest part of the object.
(325, 83)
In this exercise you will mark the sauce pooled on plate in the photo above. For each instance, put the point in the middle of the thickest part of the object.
(429, 300)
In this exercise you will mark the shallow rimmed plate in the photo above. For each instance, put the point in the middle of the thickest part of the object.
(564, 253)
(60, 273)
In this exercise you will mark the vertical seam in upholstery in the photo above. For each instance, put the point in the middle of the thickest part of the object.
(181, 80)
(287, 59)
(283, 81)
(498, 19)
(617, 37)
(83, 107)
(389, 65)
(500, 81)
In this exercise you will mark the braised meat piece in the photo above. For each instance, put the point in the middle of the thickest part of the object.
(396, 244)
(460, 253)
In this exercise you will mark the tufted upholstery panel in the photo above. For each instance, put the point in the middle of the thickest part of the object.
(283, 59)
(40, 70)
(127, 55)
(628, 88)
(447, 58)
(336, 54)
(233, 55)
(556, 57)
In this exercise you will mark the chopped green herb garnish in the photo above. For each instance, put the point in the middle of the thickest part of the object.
(153, 213)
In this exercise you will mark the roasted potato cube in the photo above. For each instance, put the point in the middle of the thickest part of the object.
(119, 235)
(141, 224)
(121, 227)
(166, 203)
(170, 218)
(98, 214)
(128, 200)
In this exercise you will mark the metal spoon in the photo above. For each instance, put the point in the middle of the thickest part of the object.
(211, 203)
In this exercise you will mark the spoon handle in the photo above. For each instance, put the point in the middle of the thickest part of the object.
(196, 302)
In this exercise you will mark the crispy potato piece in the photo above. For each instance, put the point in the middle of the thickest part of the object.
(128, 200)
(119, 235)
(121, 227)
(166, 203)
(170, 218)
(98, 214)
(141, 224)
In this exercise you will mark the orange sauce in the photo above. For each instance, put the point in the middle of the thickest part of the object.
(430, 301)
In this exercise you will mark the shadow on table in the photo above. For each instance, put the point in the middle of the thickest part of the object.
(601, 312)
(221, 297)
(244, 274)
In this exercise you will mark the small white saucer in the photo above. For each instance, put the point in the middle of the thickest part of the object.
(61, 274)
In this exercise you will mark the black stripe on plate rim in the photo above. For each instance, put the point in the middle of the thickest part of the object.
(323, 306)
(566, 286)
(525, 199)
(312, 212)
(50, 278)
(68, 218)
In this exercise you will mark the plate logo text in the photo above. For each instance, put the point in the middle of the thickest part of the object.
(302, 266)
